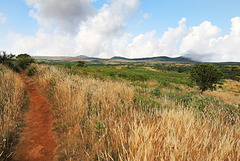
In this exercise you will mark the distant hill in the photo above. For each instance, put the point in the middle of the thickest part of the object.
(181, 59)
(117, 59)
(153, 59)
(86, 57)
(82, 56)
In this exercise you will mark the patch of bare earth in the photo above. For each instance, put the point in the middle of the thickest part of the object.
(37, 141)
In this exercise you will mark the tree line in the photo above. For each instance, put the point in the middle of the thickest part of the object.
(17, 63)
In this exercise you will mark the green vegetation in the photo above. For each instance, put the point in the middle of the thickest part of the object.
(206, 76)
(173, 67)
(163, 73)
(24, 60)
(80, 63)
(32, 70)
(230, 71)
(68, 65)
(21, 62)
(131, 72)
(6, 59)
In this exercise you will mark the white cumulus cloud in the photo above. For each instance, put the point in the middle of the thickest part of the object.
(200, 38)
(102, 33)
(42, 44)
(204, 43)
(97, 34)
(146, 45)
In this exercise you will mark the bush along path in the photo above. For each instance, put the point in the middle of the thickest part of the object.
(37, 140)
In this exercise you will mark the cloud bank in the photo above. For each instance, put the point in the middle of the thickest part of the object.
(75, 27)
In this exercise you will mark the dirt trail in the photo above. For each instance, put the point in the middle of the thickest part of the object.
(37, 141)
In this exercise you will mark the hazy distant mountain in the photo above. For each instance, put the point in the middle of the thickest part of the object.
(119, 59)
(148, 59)
(153, 59)
(86, 57)
(82, 56)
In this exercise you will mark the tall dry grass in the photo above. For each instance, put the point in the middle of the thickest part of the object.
(102, 120)
(229, 92)
(11, 102)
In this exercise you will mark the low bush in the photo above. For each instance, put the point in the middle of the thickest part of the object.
(32, 70)
(24, 60)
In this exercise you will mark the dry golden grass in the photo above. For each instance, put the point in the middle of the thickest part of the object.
(232, 86)
(120, 67)
(225, 96)
(230, 92)
(101, 120)
(149, 68)
(172, 135)
(151, 82)
(11, 101)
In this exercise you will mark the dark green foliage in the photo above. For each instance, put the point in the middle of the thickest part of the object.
(32, 71)
(230, 72)
(173, 67)
(68, 65)
(15, 66)
(206, 76)
(9, 60)
(24, 60)
(156, 92)
(6, 59)
(80, 63)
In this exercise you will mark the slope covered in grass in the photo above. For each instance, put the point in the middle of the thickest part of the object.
(107, 119)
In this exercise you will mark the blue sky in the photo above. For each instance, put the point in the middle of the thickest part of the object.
(133, 28)
(166, 13)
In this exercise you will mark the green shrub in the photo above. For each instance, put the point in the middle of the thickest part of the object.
(80, 63)
(24, 60)
(5, 58)
(156, 92)
(15, 66)
(32, 71)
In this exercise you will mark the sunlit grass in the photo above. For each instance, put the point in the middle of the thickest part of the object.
(11, 101)
(105, 119)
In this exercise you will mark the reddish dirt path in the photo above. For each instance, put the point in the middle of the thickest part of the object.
(37, 141)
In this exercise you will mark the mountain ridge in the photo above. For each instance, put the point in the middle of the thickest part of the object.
(155, 59)
(180, 59)
(144, 59)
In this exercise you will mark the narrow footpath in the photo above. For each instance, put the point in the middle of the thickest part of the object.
(37, 141)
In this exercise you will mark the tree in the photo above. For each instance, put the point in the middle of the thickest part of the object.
(206, 76)
(24, 60)
(68, 65)
(6, 59)
(80, 63)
